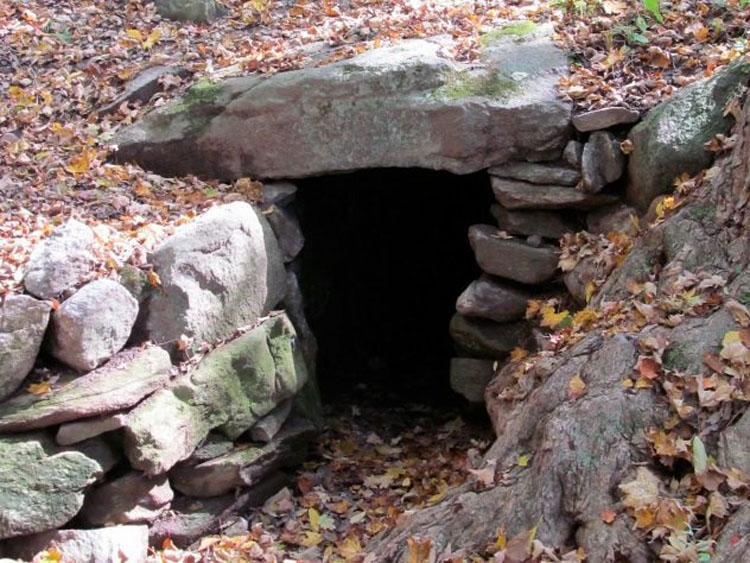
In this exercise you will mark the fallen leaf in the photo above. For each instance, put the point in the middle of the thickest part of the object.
(576, 387)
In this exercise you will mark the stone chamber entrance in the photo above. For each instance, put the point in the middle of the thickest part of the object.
(386, 255)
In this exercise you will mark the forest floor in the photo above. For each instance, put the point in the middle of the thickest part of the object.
(61, 61)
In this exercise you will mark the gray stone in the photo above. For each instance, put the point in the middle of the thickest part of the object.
(199, 11)
(232, 388)
(670, 139)
(286, 227)
(537, 173)
(74, 432)
(546, 224)
(104, 545)
(144, 86)
(246, 465)
(189, 519)
(510, 258)
(604, 118)
(61, 261)
(615, 217)
(486, 339)
(294, 305)
(406, 105)
(131, 499)
(122, 383)
(578, 279)
(279, 194)
(214, 445)
(222, 271)
(469, 377)
(492, 299)
(40, 490)
(513, 194)
(93, 324)
(267, 427)
(573, 153)
(603, 162)
(23, 321)
(733, 442)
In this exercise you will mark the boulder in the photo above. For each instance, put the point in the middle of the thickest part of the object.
(406, 105)
(61, 261)
(247, 465)
(232, 388)
(669, 141)
(481, 338)
(199, 11)
(286, 227)
(189, 519)
(222, 271)
(577, 280)
(23, 321)
(603, 162)
(537, 173)
(103, 545)
(513, 194)
(469, 377)
(279, 194)
(493, 299)
(144, 86)
(604, 118)
(510, 258)
(74, 432)
(39, 489)
(122, 383)
(546, 224)
(92, 325)
(131, 499)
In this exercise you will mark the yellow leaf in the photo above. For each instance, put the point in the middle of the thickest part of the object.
(523, 460)
(420, 550)
(311, 538)
(550, 319)
(350, 548)
(576, 387)
(518, 354)
(585, 316)
(152, 39)
(134, 34)
(590, 290)
(153, 278)
(501, 540)
(80, 164)
(40, 388)
(314, 517)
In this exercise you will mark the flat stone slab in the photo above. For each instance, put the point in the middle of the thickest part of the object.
(120, 384)
(537, 173)
(548, 224)
(513, 194)
(512, 259)
(480, 338)
(492, 299)
(469, 377)
(407, 105)
(604, 118)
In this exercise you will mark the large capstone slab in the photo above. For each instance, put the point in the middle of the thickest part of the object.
(407, 105)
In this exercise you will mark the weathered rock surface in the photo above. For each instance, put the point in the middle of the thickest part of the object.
(279, 194)
(510, 258)
(93, 324)
(231, 389)
(103, 545)
(578, 279)
(246, 465)
(604, 118)
(546, 224)
(481, 338)
(189, 519)
(40, 490)
(469, 377)
(220, 272)
(537, 173)
(267, 427)
(602, 162)
(733, 450)
(616, 217)
(573, 153)
(199, 11)
(144, 86)
(492, 299)
(670, 139)
(23, 321)
(286, 227)
(125, 380)
(131, 499)
(61, 261)
(407, 105)
(74, 432)
(513, 194)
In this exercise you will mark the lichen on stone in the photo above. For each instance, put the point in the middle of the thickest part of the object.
(466, 84)
(515, 29)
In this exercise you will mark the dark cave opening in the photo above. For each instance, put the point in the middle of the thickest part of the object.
(386, 256)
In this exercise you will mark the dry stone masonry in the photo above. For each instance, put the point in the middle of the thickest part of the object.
(202, 385)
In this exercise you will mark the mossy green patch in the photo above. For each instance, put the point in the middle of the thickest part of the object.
(515, 29)
(466, 84)
(204, 92)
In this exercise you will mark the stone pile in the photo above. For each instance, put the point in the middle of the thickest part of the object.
(122, 436)
(537, 204)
